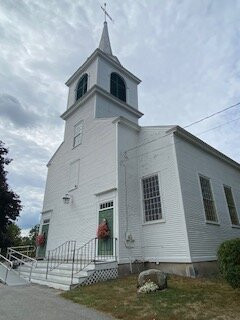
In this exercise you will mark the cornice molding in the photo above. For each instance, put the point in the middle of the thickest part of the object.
(100, 53)
(98, 90)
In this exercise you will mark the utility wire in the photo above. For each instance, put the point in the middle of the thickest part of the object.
(212, 115)
(187, 126)
(171, 144)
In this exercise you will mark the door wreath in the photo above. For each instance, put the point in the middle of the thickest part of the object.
(103, 230)
(40, 240)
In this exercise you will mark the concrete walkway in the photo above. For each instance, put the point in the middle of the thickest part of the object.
(13, 278)
(35, 302)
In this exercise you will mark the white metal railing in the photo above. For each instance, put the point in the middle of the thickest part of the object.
(22, 259)
(28, 250)
(7, 268)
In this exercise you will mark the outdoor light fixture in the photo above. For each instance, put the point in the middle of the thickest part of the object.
(66, 198)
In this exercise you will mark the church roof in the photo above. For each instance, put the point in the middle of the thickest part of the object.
(105, 44)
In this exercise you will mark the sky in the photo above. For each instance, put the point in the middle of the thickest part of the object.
(185, 52)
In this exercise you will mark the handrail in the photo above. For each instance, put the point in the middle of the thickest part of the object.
(21, 254)
(6, 267)
(87, 253)
(12, 253)
(64, 253)
(29, 250)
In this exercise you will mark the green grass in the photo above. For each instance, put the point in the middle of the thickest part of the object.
(185, 299)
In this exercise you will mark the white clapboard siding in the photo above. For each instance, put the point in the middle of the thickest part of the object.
(158, 241)
(204, 239)
(97, 172)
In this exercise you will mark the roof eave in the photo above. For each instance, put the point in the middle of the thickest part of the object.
(179, 131)
(102, 54)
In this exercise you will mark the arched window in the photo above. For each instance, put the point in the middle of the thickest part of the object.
(118, 87)
(82, 86)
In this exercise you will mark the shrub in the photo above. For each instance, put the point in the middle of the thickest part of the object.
(229, 261)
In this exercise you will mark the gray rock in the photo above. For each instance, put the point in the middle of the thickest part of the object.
(154, 275)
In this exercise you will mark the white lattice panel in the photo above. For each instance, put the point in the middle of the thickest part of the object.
(101, 275)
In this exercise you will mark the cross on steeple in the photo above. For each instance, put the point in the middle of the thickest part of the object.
(106, 13)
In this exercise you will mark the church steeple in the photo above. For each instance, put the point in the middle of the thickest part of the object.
(104, 44)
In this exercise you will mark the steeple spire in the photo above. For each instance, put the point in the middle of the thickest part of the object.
(104, 44)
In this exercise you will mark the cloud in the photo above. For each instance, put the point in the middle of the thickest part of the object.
(11, 109)
(186, 55)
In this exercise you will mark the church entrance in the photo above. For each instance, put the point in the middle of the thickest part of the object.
(42, 250)
(105, 246)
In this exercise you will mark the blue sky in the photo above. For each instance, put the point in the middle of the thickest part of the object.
(186, 53)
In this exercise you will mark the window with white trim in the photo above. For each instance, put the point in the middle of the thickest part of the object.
(208, 201)
(78, 132)
(151, 198)
(231, 206)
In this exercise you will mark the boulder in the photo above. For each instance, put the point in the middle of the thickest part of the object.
(156, 276)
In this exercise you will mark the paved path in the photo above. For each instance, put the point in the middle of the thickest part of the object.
(36, 302)
(13, 278)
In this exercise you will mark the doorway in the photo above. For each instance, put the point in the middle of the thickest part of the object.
(105, 246)
(42, 250)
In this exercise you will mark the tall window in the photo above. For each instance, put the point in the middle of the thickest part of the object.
(117, 87)
(82, 86)
(231, 205)
(208, 201)
(78, 131)
(151, 198)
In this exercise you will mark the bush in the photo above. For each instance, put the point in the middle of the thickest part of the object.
(229, 261)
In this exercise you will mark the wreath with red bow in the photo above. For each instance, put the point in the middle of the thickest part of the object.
(40, 240)
(103, 231)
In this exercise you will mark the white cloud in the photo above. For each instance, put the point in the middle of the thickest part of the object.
(186, 54)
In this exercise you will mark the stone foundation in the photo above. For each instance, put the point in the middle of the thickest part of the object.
(195, 269)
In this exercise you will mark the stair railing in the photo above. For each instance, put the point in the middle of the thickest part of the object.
(7, 266)
(22, 259)
(29, 250)
(92, 251)
(62, 254)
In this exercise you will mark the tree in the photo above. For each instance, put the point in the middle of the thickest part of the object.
(10, 204)
(30, 240)
(13, 235)
(33, 234)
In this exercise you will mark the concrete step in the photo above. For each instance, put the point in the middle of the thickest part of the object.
(55, 285)
(55, 277)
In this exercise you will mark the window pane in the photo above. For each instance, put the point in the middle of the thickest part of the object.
(117, 87)
(231, 206)
(208, 201)
(151, 198)
(82, 86)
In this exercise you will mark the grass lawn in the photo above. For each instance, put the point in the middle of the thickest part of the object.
(185, 298)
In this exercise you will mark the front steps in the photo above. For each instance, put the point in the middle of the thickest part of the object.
(60, 277)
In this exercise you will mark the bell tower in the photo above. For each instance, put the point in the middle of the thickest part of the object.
(112, 85)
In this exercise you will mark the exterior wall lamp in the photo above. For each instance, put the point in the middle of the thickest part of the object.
(67, 198)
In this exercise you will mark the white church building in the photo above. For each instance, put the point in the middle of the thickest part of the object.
(169, 199)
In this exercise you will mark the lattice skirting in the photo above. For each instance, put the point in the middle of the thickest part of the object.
(101, 275)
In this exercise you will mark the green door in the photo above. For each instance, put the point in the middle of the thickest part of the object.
(42, 250)
(105, 246)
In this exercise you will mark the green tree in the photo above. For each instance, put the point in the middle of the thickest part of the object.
(10, 204)
(13, 235)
